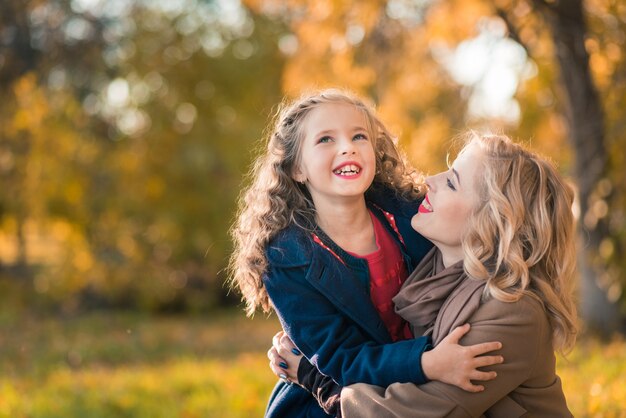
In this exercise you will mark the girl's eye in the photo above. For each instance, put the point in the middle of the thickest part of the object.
(324, 140)
(450, 185)
(360, 136)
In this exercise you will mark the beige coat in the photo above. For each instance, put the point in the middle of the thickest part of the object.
(526, 385)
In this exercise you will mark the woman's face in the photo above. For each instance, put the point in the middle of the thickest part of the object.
(452, 195)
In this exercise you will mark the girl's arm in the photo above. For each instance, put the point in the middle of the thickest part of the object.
(334, 343)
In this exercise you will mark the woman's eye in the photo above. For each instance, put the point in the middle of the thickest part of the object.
(360, 136)
(450, 185)
(324, 140)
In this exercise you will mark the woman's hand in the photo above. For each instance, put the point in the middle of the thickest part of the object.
(458, 365)
(284, 357)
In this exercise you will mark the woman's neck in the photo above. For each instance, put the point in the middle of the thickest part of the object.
(349, 225)
(450, 255)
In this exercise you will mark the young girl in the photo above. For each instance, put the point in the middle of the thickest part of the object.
(323, 237)
(503, 228)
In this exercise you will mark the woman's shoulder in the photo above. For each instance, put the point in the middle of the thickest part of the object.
(527, 309)
(291, 247)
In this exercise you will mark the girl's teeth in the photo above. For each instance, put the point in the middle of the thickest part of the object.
(348, 169)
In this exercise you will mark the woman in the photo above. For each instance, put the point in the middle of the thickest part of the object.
(502, 225)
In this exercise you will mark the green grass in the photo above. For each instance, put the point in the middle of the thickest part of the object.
(128, 365)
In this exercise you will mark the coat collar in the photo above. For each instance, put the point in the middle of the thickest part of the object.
(348, 280)
(343, 286)
(344, 278)
(387, 220)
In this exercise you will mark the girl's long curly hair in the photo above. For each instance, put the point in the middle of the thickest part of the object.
(273, 200)
(520, 239)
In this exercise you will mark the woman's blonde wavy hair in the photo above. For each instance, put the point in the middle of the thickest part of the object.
(520, 238)
(273, 200)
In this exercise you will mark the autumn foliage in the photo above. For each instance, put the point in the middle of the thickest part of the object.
(120, 171)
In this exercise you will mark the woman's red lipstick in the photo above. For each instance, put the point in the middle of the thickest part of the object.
(425, 207)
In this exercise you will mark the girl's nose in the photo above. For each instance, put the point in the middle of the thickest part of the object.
(347, 148)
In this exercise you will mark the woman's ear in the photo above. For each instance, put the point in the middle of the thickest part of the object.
(298, 175)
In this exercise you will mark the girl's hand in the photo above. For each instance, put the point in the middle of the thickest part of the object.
(457, 365)
(284, 357)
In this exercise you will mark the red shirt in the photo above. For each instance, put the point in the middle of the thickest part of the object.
(387, 273)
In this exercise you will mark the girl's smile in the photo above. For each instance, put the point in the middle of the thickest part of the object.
(348, 170)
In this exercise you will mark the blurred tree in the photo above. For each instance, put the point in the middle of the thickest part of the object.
(607, 201)
(586, 131)
(41, 87)
(126, 126)
(199, 81)
(48, 61)
(125, 131)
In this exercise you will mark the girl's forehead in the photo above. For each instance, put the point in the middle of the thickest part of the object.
(333, 115)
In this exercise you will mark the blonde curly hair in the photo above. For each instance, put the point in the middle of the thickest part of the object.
(273, 200)
(520, 238)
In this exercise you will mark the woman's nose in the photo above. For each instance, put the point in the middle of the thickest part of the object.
(429, 182)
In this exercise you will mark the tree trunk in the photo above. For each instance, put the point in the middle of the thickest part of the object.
(586, 133)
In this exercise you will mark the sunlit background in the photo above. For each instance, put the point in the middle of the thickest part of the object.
(126, 128)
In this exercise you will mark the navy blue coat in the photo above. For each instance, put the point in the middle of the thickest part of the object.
(321, 296)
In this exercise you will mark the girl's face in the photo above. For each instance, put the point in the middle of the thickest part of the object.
(446, 208)
(337, 160)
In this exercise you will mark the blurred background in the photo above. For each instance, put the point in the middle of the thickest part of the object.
(126, 129)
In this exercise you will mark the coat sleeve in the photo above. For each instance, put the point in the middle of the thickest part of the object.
(523, 330)
(333, 342)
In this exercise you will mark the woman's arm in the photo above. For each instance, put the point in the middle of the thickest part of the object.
(458, 363)
(524, 332)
